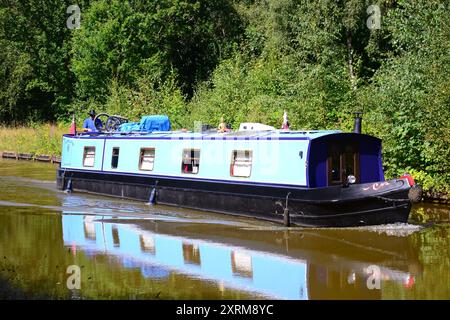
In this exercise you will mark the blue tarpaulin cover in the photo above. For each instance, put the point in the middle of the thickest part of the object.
(155, 123)
(147, 124)
(129, 127)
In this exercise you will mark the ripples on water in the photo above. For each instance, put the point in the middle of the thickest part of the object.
(130, 250)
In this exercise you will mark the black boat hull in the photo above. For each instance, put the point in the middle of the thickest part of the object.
(337, 206)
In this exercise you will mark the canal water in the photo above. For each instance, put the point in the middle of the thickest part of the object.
(122, 249)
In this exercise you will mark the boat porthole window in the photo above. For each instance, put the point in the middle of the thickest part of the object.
(241, 163)
(190, 162)
(89, 156)
(115, 158)
(147, 159)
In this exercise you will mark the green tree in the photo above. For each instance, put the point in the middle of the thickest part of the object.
(124, 40)
(35, 78)
(409, 97)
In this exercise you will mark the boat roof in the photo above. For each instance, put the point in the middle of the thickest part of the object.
(214, 135)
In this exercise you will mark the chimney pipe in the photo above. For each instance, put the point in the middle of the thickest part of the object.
(358, 121)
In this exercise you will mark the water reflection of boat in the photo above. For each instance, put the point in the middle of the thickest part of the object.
(241, 264)
(191, 253)
(312, 264)
(147, 243)
(89, 227)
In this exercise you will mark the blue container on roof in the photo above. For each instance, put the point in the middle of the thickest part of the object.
(147, 124)
(155, 123)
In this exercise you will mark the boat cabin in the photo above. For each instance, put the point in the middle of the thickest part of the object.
(311, 159)
(334, 157)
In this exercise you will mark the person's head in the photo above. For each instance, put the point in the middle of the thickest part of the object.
(92, 114)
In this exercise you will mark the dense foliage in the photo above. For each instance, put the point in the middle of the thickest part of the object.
(246, 60)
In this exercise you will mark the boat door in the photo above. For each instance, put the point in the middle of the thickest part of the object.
(343, 160)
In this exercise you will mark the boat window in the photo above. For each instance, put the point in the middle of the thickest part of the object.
(241, 264)
(89, 228)
(115, 158)
(191, 161)
(241, 163)
(343, 161)
(115, 236)
(349, 161)
(191, 254)
(147, 243)
(147, 159)
(88, 156)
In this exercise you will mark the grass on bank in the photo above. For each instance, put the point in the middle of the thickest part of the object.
(44, 139)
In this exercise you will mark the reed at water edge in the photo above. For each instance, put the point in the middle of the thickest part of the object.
(38, 139)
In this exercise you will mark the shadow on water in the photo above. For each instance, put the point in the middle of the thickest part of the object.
(128, 250)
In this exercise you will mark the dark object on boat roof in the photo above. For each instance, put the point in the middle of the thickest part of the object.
(207, 127)
(147, 124)
(112, 123)
(358, 121)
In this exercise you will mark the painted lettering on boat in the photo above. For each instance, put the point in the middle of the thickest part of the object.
(377, 186)
(193, 310)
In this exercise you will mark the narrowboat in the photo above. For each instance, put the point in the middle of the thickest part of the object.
(305, 264)
(317, 178)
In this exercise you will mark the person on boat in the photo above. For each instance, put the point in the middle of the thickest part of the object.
(89, 125)
(285, 125)
(222, 126)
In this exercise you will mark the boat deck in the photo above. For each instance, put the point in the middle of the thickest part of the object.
(214, 135)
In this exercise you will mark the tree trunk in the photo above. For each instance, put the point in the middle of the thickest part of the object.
(351, 71)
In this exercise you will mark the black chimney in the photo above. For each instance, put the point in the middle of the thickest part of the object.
(358, 121)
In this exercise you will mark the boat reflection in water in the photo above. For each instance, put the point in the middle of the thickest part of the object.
(313, 264)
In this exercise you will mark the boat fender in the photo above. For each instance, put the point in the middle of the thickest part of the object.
(415, 193)
(152, 198)
(69, 187)
(408, 177)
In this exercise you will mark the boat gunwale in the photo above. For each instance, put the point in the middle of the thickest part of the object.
(164, 137)
(378, 193)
